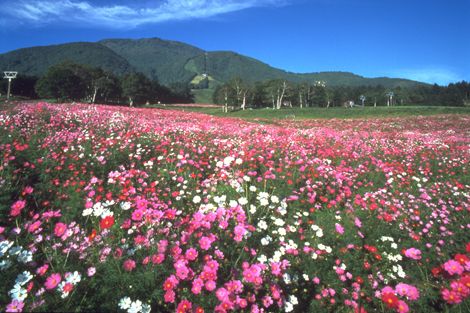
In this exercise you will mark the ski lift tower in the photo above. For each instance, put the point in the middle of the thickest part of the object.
(9, 75)
(205, 65)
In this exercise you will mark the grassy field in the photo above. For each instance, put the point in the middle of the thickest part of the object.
(310, 113)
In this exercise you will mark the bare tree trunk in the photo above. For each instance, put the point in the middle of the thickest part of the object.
(244, 100)
(300, 99)
(226, 101)
(131, 102)
(94, 95)
(281, 94)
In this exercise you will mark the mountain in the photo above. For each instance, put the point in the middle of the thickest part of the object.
(158, 59)
(35, 61)
(170, 62)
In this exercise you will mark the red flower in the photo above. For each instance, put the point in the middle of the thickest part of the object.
(436, 271)
(92, 235)
(107, 222)
(461, 258)
(390, 300)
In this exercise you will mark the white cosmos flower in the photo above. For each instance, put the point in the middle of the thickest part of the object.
(262, 225)
(252, 209)
(87, 212)
(293, 300)
(74, 278)
(125, 303)
(25, 256)
(243, 201)
(252, 188)
(146, 308)
(263, 202)
(18, 293)
(125, 206)
(274, 199)
(23, 278)
(263, 194)
(288, 307)
(136, 307)
(196, 199)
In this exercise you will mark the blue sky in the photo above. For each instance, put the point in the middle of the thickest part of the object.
(426, 40)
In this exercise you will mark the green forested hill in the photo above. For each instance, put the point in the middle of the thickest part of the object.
(35, 61)
(171, 61)
(158, 59)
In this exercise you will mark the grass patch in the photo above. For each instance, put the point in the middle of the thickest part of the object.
(319, 113)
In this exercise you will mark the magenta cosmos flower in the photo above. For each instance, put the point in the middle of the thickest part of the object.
(52, 281)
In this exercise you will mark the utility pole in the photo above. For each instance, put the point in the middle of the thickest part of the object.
(9, 75)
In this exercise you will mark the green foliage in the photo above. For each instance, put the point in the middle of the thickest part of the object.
(136, 87)
(61, 83)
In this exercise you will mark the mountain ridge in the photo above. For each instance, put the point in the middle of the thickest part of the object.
(171, 61)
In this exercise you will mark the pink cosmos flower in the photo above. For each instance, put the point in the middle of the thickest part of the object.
(15, 306)
(210, 285)
(91, 271)
(17, 207)
(267, 301)
(409, 291)
(184, 306)
(169, 296)
(52, 281)
(60, 229)
(128, 265)
(191, 254)
(453, 267)
(413, 253)
(339, 229)
(197, 286)
(402, 307)
(42, 270)
(205, 243)
(170, 283)
(137, 215)
(451, 296)
(239, 231)
(222, 294)
(158, 258)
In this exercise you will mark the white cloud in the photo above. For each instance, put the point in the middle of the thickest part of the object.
(440, 76)
(124, 16)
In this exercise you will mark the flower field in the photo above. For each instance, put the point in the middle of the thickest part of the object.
(138, 210)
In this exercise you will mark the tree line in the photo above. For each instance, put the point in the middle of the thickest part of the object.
(278, 93)
(73, 82)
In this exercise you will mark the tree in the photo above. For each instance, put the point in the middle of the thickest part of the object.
(240, 89)
(319, 97)
(61, 83)
(137, 88)
(106, 87)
